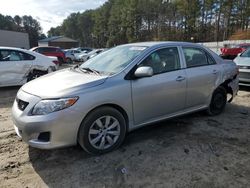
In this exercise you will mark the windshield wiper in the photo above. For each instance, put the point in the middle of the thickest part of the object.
(89, 70)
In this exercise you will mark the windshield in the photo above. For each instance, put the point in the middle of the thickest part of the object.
(246, 53)
(114, 60)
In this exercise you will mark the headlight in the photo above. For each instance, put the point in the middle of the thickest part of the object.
(48, 106)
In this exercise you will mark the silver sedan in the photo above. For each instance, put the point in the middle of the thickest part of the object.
(243, 62)
(97, 103)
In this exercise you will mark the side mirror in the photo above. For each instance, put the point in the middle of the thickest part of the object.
(144, 72)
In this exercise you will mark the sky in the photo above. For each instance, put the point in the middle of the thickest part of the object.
(50, 13)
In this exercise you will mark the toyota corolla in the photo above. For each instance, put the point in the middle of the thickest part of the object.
(126, 87)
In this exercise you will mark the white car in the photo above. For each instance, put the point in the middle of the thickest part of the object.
(71, 54)
(85, 56)
(18, 66)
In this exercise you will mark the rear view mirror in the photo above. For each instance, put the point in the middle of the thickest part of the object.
(144, 72)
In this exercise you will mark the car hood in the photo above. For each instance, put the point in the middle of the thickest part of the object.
(66, 82)
(242, 61)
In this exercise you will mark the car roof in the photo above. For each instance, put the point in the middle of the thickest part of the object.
(46, 47)
(20, 49)
(10, 48)
(244, 44)
(156, 43)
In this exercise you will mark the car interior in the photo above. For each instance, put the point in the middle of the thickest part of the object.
(164, 60)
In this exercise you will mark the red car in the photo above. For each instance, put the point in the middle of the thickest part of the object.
(51, 51)
(231, 53)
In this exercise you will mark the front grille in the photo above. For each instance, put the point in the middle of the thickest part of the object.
(244, 67)
(244, 75)
(21, 104)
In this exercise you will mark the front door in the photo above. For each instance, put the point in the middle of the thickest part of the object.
(162, 94)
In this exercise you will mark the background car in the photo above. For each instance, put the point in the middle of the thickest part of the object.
(82, 57)
(51, 51)
(71, 54)
(232, 52)
(243, 62)
(17, 66)
(84, 49)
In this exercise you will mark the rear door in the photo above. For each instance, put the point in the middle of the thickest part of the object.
(165, 92)
(202, 74)
(14, 65)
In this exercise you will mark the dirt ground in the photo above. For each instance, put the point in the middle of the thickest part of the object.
(191, 151)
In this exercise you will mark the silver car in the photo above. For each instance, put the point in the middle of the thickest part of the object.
(243, 62)
(126, 87)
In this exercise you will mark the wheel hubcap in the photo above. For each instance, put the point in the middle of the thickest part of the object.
(104, 132)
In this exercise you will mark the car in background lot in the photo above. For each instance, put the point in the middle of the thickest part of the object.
(84, 49)
(51, 51)
(243, 62)
(71, 54)
(95, 104)
(18, 66)
(82, 57)
(232, 52)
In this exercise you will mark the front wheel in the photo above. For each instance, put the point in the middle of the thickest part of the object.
(218, 101)
(102, 131)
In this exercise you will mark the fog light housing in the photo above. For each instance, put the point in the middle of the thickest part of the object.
(44, 137)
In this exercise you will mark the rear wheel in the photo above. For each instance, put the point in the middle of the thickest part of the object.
(218, 101)
(60, 60)
(68, 60)
(103, 130)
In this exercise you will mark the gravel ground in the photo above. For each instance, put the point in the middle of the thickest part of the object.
(192, 151)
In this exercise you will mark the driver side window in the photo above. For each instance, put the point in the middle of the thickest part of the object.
(163, 60)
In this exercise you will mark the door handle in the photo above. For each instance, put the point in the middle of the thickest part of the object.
(180, 78)
(215, 71)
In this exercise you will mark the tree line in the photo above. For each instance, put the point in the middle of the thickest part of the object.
(25, 24)
(123, 21)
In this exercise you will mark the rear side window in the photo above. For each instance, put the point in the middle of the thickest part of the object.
(12, 55)
(50, 50)
(47, 49)
(196, 57)
(26, 57)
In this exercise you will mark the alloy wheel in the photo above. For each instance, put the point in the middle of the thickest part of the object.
(104, 132)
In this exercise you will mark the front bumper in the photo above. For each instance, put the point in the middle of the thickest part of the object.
(60, 127)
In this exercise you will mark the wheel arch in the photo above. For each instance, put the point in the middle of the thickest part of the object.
(228, 89)
(115, 106)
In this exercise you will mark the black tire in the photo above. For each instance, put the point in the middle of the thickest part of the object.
(68, 60)
(218, 101)
(89, 121)
(60, 60)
